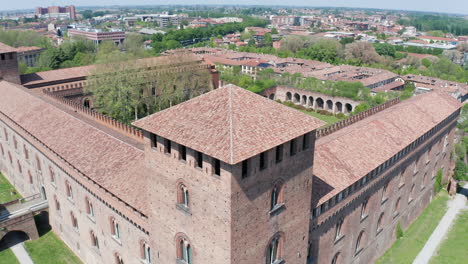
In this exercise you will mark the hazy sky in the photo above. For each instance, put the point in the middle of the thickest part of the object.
(447, 6)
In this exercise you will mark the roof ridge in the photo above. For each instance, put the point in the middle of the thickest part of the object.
(231, 126)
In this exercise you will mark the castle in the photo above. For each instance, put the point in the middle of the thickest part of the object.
(226, 177)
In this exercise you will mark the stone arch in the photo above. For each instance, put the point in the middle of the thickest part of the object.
(297, 98)
(319, 103)
(338, 107)
(271, 96)
(311, 101)
(348, 108)
(86, 103)
(330, 105)
(288, 96)
(12, 238)
(304, 100)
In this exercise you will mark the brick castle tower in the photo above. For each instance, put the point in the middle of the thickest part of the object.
(230, 183)
(9, 64)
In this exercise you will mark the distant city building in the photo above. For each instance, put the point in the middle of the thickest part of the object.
(163, 20)
(28, 55)
(57, 12)
(97, 35)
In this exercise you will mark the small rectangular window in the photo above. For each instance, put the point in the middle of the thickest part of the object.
(263, 160)
(306, 141)
(167, 146)
(154, 140)
(279, 153)
(217, 167)
(2, 56)
(245, 168)
(292, 147)
(199, 159)
(182, 152)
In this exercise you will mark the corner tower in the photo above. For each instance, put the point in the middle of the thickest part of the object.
(231, 179)
(9, 64)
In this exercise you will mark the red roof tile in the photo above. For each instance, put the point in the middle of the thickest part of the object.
(6, 49)
(347, 155)
(230, 124)
(100, 156)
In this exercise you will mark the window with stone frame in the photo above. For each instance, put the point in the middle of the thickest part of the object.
(118, 259)
(277, 195)
(338, 229)
(274, 250)
(69, 190)
(52, 174)
(184, 251)
(364, 209)
(384, 192)
(145, 252)
(94, 240)
(335, 258)
(360, 242)
(183, 196)
(74, 221)
(26, 152)
(115, 228)
(380, 223)
(89, 207)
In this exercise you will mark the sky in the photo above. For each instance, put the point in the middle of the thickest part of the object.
(443, 6)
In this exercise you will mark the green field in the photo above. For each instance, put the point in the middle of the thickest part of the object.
(5, 187)
(48, 248)
(7, 256)
(454, 249)
(326, 118)
(405, 249)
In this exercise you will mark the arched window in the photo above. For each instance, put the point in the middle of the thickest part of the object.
(74, 221)
(338, 233)
(20, 169)
(277, 195)
(411, 194)
(364, 208)
(380, 223)
(397, 205)
(360, 241)
(274, 254)
(335, 258)
(384, 192)
(52, 174)
(89, 207)
(57, 203)
(26, 152)
(184, 250)
(118, 259)
(115, 229)
(183, 196)
(38, 164)
(69, 190)
(145, 252)
(94, 240)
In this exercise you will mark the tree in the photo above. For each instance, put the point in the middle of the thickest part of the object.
(292, 44)
(127, 89)
(438, 181)
(363, 52)
(385, 49)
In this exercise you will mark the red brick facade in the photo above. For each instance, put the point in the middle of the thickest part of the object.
(113, 197)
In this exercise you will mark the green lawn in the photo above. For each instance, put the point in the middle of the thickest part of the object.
(329, 119)
(7, 256)
(48, 248)
(406, 249)
(5, 187)
(454, 249)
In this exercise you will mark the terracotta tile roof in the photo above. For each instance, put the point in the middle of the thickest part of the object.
(56, 75)
(6, 49)
(102, 157)
(24, 48)
(230, 124)
(347, 155)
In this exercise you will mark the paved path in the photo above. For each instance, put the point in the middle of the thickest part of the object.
(440, 232)
(21, 254)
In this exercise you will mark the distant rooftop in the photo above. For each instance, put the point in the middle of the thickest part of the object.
(6, 49)
(230, 124)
